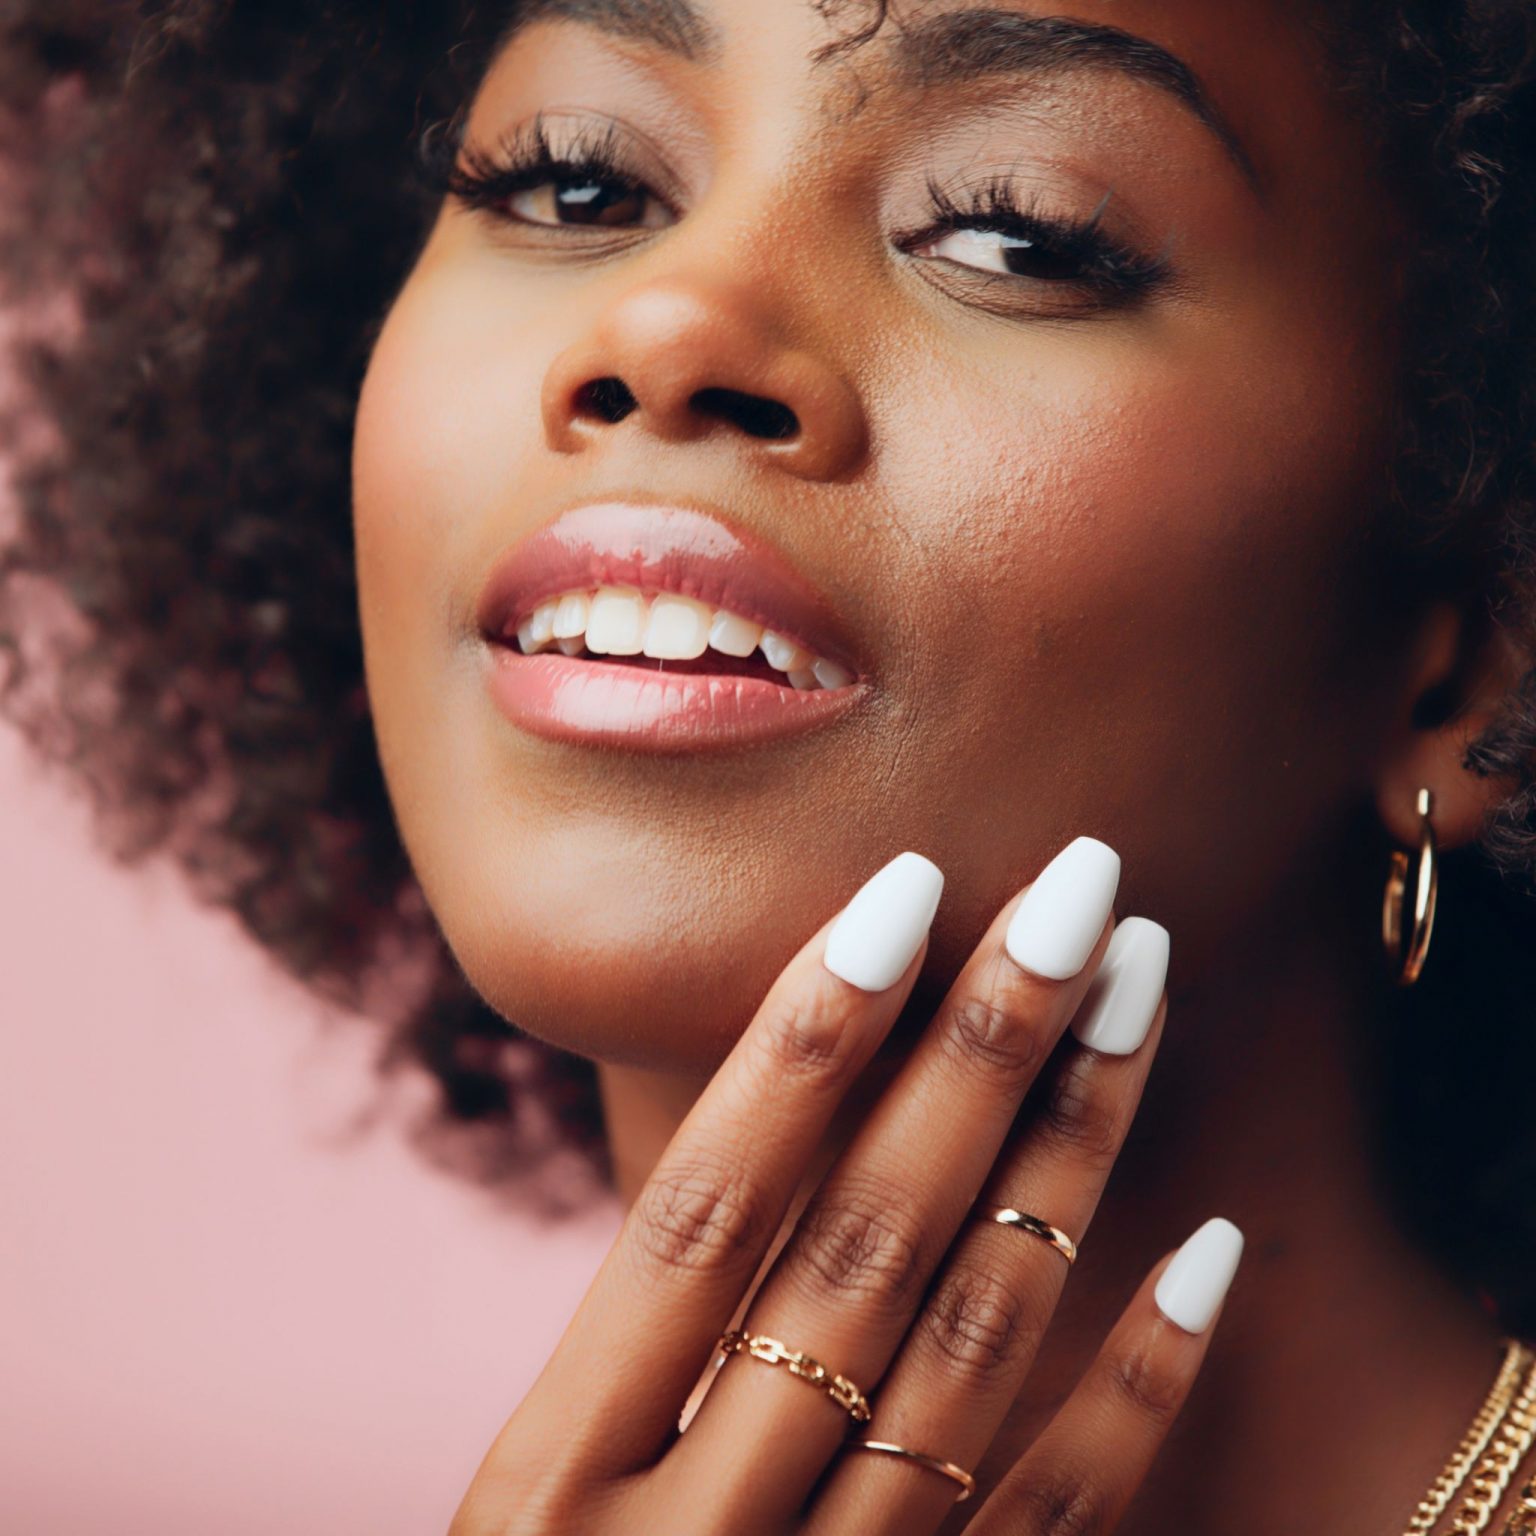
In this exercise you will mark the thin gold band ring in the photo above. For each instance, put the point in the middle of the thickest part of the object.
(1033, 1224)
(933, 1463)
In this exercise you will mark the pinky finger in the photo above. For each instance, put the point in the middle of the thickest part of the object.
(1084, 1470)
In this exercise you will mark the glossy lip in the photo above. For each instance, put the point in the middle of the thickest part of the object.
(666, 549)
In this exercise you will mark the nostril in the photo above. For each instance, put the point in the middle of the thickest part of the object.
(752, 413)
(610, 399)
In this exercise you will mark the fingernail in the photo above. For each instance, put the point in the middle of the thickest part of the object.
(1197, 1277)
(883, 926)
(1054, 928)
(1122, 998)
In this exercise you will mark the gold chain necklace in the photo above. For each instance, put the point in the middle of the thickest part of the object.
(1523, 1521)
(1498, 1465)
(1474, 1442)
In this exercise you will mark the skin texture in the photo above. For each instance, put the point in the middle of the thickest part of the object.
(1119, 573)
(1085, 555)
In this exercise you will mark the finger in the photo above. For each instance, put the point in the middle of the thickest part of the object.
(704, 1221)
(975, 1339)
(847, 1283)
(1085, 1468)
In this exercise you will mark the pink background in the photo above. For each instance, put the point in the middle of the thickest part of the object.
(221, 1313)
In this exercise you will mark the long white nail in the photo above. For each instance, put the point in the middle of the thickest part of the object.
(1122, 998)
(1197, 1277)
(1054, 928)
(883, 926)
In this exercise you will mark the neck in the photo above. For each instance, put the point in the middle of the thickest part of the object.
(1345, 1369)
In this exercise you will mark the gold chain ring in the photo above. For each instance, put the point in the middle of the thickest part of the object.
(774, 1352)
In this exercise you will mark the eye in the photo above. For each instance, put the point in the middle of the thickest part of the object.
(585, 199)
(551, 174)
(1020, 252)
(993, 250)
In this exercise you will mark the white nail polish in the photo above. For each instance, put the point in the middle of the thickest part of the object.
(883, 926)
(1055, 926)
(1198, 1275)
(1122, 998)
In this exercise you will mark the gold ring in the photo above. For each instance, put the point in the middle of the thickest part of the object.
(760, 1347)
(1027, 1223)
(933, 1463)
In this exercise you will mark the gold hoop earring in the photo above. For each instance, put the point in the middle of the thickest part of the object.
(1409, 959)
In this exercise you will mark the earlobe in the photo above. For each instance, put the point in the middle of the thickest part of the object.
(1465, 667)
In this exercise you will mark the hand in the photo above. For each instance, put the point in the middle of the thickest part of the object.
(936, 1317)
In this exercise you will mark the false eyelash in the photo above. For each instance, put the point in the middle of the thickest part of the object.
(1103, 262)
(483, 179)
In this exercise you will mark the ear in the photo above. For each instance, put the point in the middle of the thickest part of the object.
(1463, 668)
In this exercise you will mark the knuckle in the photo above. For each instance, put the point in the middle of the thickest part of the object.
(806, 1035)
(996, 1034)
(859, 1243)
(698, 1216)
(1081, 1115)
(1141, 1381)
(978, 1323)
(1058, 1506)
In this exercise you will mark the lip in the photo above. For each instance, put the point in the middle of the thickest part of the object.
(665, 548)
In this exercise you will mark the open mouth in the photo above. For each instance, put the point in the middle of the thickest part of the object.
(649, 628)
(711, 663)
(668, 632)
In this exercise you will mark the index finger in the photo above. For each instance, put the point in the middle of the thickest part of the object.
(707, 1216)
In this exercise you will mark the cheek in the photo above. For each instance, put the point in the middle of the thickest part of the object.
(1140, 606)
(449, 412)
(447, 420)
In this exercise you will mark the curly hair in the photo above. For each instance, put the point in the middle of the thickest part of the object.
(211, 205)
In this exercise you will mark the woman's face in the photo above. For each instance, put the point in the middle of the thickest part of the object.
(1084, 477)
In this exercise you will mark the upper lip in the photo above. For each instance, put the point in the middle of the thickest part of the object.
(667, 548)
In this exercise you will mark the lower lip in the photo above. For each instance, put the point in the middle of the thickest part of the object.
(598, 703)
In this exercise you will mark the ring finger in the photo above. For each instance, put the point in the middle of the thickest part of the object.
(847, 1284)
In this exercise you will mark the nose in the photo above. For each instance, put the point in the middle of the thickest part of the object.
(683, 358)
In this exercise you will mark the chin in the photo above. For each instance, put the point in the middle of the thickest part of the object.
(617, 968)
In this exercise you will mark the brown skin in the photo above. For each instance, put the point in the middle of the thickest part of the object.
(1117, 573)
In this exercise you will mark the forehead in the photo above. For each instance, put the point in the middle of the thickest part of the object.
(1223, 61)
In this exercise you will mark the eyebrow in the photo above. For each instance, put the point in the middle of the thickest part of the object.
(967, 45)
(674, 26)
(950, 48)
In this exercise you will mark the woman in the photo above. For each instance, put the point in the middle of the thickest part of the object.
(898, 550)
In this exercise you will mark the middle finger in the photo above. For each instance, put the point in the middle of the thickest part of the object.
(847, 1284)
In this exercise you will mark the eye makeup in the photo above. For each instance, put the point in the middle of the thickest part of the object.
(571, 175)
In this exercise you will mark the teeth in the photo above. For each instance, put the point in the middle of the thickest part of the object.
(734, 636)
(623, 621)
(784, 655)
(570, 616)
(830, 675)
(616, 624)
(678, 629)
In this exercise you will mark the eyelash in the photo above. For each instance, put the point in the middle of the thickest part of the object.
(485, 181)
(1099, 262)
(1096, 262)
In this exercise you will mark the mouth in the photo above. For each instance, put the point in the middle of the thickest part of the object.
(660, 628)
